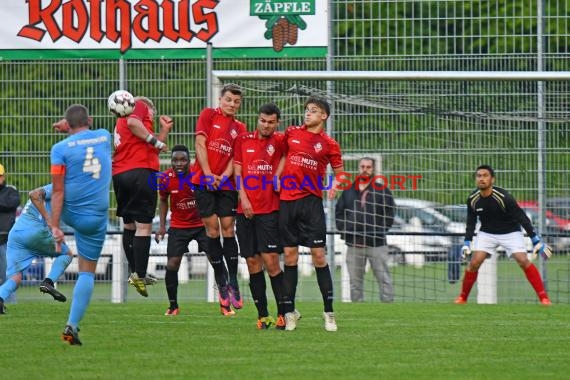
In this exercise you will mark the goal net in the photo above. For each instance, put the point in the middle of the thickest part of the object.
(438, 127)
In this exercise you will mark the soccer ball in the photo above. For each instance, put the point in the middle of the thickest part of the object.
(121, 103)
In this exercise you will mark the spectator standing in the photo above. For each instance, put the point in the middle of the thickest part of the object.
(364, 213)
(9, 202)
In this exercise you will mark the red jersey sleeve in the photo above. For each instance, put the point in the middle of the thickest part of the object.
(237, 150)
(281, 142)
(163, 187)
(204, 122)
(335, 155)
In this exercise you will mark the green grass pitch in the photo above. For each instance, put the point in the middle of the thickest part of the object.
(374, 341)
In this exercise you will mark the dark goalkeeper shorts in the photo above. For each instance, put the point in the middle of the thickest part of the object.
(179, 238)
(219, 202)
(302, 222)
(136, 198)
(258, 235)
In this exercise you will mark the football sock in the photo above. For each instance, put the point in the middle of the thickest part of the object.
(214, 252)
(290, 279)
(58, 267)
(535, 280)
(81, 297)
(171, 281)
(7, 288)
(258, 288)
(128, 236)
(230, 250)
(468, 281)
(141, 249)
(324, 280)
(283, 301)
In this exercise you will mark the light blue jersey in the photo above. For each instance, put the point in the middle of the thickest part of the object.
(30, 218)
(86, 156)
(87, 159)
(31, 237)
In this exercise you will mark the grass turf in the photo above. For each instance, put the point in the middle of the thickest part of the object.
(401, 340)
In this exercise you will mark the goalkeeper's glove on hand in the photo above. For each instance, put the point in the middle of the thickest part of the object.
(466, 249)
(540, 247)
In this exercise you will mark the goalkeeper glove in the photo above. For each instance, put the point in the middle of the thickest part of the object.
(466, 249)
(540, 247)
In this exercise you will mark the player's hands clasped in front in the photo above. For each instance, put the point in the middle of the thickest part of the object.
(466, 249)
(540, 247)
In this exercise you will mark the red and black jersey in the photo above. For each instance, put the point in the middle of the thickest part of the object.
(307, 159)
(183, 208)
(130, 151)
(220, 132)
(259, 159)
(499, 213)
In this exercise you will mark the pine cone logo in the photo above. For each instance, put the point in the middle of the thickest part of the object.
(283, 30)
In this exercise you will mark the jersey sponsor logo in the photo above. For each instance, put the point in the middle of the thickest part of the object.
(186, 204)
(216, 126)
(318, 147)
(221, 146)
(295, 141)
(270, 149)
(260, 167)
(479, 209)
(304, 160)
(250, 150)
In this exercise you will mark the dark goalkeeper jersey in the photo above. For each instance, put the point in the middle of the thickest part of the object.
(498, 213)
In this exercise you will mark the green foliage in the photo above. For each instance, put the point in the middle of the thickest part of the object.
(442, 28)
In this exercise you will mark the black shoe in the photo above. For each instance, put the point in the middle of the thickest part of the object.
(2, 307)
(71, 336)
(47, 287)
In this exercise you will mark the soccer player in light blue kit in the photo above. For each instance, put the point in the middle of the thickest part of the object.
(31, 237)
(81, 176)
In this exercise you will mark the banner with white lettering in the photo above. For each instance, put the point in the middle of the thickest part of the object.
(107, 29)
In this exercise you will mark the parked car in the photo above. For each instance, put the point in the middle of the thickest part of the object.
(559, 207)
(553, 219)
(419, 233)
(426, 230)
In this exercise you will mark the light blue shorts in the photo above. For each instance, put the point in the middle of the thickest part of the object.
(26, 244)
(90, 231)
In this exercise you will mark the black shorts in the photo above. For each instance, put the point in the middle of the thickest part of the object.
(258, 235)
(179, 238)
(302, 222)
(219, 202)
(136, 198)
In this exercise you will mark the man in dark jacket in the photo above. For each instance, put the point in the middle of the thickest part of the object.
(9, 202)
(364, 213)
